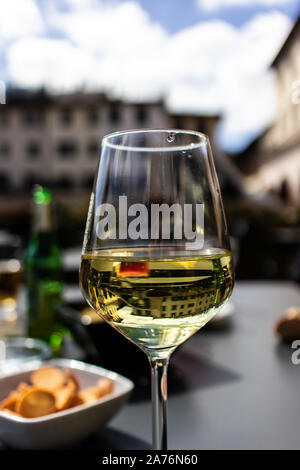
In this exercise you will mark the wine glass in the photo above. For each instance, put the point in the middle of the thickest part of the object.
(156, 261)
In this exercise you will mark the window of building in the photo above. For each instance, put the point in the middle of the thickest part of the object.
(4, 120)
(202, 125)
(33, 118)
(141, 114)
(64, 182)
(67, 148)
(92, 117)
(30, 180)
(4, 182)
(114, 114)
(87, 181)
(4, 149)
(284, 192)
(93, 148)
(33, 149)
(178, 123)
(66, 117)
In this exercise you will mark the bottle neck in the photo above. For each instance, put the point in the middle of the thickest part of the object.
(42, 218)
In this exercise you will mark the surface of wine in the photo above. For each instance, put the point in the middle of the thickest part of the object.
(157, 302)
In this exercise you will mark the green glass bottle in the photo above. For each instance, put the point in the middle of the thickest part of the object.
(43, 274)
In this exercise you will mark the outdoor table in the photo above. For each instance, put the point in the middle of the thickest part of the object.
(241, 386)
(244, 387)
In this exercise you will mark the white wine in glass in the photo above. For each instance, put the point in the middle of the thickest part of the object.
(156, 261)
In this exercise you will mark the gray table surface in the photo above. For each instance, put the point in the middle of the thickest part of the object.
(244, 389)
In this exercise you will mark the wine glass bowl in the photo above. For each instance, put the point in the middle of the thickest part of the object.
(156, 261)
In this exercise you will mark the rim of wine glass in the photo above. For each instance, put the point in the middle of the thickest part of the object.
(203, 140)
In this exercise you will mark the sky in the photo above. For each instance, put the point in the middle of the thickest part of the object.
(201, 56)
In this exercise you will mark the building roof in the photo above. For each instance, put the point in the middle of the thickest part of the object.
(19, 96)
(292, 34)
(180, 115)
(41, 98)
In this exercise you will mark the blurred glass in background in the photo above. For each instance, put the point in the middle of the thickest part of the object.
(43, 274)
(11, 275)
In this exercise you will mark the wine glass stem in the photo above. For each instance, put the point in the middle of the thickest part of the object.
(159, 402)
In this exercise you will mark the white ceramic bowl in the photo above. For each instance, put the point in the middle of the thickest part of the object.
(74, 424)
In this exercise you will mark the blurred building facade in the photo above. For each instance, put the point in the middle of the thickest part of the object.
(272, 161)
(56, 139)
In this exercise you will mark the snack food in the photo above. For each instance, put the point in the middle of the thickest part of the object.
(35, 402)
(72, 377)
(64, 396)
(10, 402)
(51, 390)
(288, 326)
(105, 387)
(48, 378)
(89, 394)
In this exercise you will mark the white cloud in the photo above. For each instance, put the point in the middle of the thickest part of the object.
(120, 28)
(230, 71)
(19, 18)
(54, 63)
(126, 44)
(214, 5)
(209, 67)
